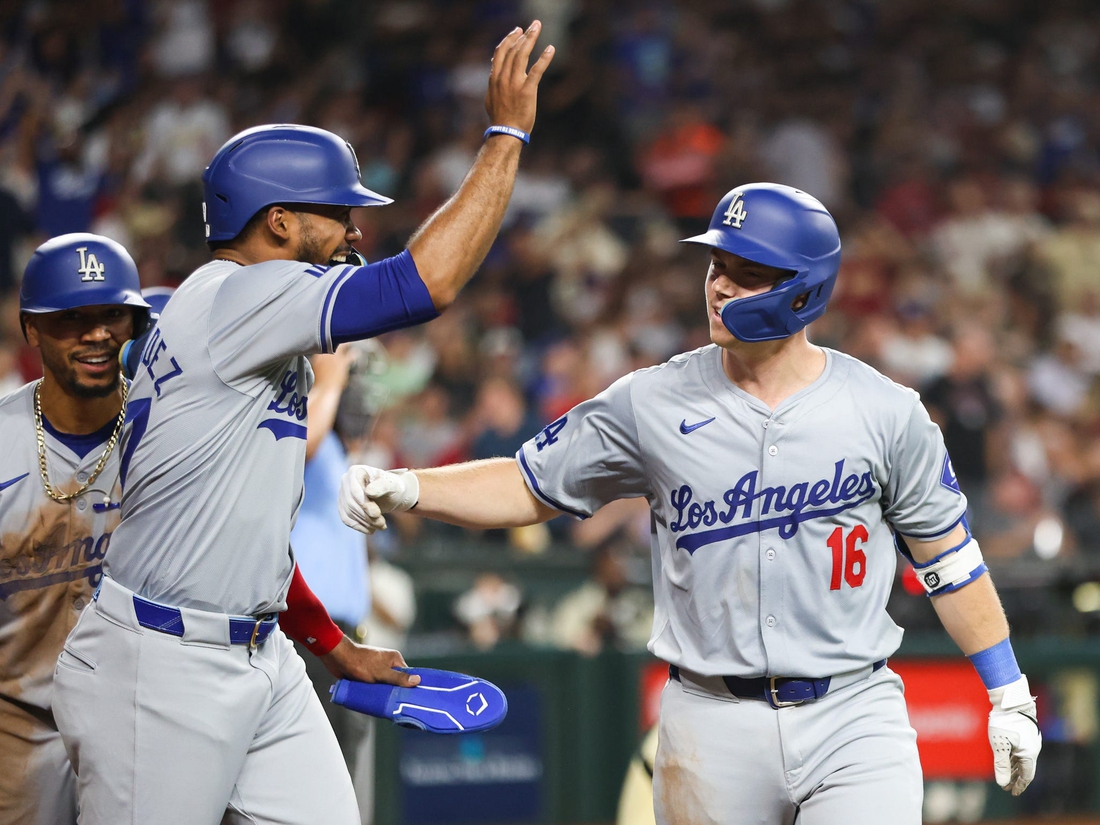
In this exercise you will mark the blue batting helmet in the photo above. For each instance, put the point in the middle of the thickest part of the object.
(80, 270)
(281, 163)
(777, 226)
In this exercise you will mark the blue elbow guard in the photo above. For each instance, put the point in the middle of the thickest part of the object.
(443, 702)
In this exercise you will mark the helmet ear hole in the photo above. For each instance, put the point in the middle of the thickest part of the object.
(800, 302)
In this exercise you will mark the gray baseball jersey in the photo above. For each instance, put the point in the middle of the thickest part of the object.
(213, 458)
(773, 547)
(51, 557)
(51, 553)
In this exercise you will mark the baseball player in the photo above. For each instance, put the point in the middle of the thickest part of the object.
(778, 474)
(178, 695)
(59, 499)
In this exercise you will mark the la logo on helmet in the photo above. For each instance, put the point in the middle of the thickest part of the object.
(90, 268)
(736, 214)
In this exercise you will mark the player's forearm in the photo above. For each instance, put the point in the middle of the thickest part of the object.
(323, 404)
(973, 616)
(453, 242)
(479, 495)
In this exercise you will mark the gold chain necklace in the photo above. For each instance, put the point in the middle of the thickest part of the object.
(41, 436)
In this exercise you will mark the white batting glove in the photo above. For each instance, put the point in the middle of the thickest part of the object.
(1014, 735)
(368, 493)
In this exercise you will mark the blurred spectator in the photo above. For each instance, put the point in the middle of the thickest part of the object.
(915, 355)
(1072, 251)
(331, 556)
(605, 611)
(1056, 379)
(428, 432)
(801, 153)
(69, 182)
(10, 377)
(1083, 517)
(392, 600)
(505, 419)
(489, 610)
(182, 133)
(975, 240)
(679, 164)
(964, 405)
(185, 44)
(1008, 520)
(1081, 326)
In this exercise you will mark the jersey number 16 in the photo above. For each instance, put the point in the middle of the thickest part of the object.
(849, 560)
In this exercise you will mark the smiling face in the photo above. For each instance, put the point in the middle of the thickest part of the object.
(80, 346)
(325, 233)
(731, 277)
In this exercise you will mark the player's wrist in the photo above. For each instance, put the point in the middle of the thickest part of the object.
(996, 665)
(409, 496)
(507, 131)
(1012, 696)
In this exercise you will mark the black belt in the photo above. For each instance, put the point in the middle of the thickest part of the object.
(777, 691)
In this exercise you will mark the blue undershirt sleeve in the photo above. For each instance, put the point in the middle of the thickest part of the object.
(377, 298)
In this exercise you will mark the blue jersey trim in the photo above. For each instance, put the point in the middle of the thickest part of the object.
(538, 490)
(940, 533)
(137, 414)
(378, 298)
(326, 319)
(81, 444)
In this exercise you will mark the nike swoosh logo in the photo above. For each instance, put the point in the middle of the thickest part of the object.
(686, 428)
(6, 484)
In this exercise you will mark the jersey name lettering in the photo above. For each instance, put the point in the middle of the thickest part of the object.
(288, 402)
(90, 268)
(844, 492)
(53, 563)
(151, 354)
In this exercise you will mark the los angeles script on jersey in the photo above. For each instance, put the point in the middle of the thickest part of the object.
(44, 559)
(290, 404)
(791, 506)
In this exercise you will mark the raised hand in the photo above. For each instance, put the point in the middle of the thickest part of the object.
(513, 90)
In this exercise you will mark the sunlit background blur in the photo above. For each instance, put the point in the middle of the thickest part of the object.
(957, 143)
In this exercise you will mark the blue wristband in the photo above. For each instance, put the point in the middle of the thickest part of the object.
(996, 665)
(507, 130)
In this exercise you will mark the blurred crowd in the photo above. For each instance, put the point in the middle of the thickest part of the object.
(957, 142)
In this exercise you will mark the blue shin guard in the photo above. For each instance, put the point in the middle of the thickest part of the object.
(443, 702)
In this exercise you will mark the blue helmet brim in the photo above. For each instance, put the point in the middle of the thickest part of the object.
(757, 253)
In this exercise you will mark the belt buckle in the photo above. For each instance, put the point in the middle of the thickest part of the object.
(773, 696)
(255, 632)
